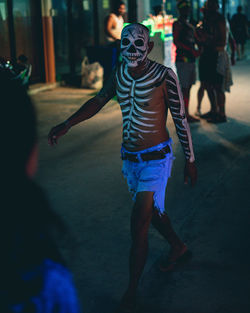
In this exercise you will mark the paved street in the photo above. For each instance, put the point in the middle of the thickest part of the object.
(83, 180)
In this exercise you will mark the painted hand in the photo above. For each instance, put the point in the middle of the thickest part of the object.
(190, 171)
(57, 132)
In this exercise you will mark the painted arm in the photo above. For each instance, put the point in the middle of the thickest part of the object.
(86, 111)
(177, 109)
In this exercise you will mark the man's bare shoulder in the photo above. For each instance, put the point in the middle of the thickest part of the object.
(112, 16)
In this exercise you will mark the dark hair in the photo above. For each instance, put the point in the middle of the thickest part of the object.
(118, 4)
(212, 5)
(22, 58)
(157, 9)
(183, 4)
(18, 125)
(239, 8)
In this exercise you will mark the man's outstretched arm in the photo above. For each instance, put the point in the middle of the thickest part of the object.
(177, 109)
(87, 110)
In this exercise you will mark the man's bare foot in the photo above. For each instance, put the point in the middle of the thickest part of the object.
(176, 255)
(197, 112)
(192, 119)
(127, 304)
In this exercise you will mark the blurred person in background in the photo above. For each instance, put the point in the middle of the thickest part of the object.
(186, 53)
(24, 69)
(239, 26)
(113, 26)
(231, 50)
(114, 23)
(214, 63)
(34, 278)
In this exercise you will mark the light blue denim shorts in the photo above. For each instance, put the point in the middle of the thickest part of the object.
(149, 175)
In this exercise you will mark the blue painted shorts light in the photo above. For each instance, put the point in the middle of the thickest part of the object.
(149, 175)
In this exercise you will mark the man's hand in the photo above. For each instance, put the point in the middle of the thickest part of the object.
(196, 53)
(57, 132)
(190, 171)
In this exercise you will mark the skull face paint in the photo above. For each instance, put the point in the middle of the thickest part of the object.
(134, 44)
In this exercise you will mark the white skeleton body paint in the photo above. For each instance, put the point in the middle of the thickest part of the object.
(140, 120)
(134, 45)
(144, 103)
(177, 109)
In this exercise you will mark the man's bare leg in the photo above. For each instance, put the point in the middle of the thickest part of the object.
(186, 96)
(220, 116)
(221, 102)
(200, 95)
(140, 222)
(211, 92)
(242, 50)
(238, 47)
(163, 225)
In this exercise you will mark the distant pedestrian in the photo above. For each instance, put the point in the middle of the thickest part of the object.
(114, 23)
(113, 26)
(239, 26)
(34, 278)
(186, 53)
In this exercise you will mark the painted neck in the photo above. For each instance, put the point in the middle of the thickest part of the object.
(140, 70)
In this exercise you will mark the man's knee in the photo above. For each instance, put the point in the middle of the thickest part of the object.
(142, 214)
(143, 206)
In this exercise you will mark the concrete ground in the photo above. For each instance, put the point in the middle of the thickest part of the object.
(82, 178)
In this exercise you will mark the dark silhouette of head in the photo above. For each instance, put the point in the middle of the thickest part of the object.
(120, 8)
(27, 221)
(212, 5)
(18, 126)
(239, 9)
(184, 7)
(22, 58)
(157, 10)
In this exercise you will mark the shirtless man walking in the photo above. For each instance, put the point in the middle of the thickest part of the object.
(145, 91)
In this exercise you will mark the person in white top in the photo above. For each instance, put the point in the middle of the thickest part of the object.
(114, 23)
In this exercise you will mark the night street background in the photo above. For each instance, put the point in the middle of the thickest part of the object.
(82, 178)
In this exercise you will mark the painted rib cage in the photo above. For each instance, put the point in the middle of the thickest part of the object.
(138, 118)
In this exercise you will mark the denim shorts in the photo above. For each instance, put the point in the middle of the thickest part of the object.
(149, 175)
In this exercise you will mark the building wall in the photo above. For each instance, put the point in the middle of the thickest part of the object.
(4, 30)
(21, 33)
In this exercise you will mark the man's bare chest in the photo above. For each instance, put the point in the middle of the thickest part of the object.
(144, 95)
